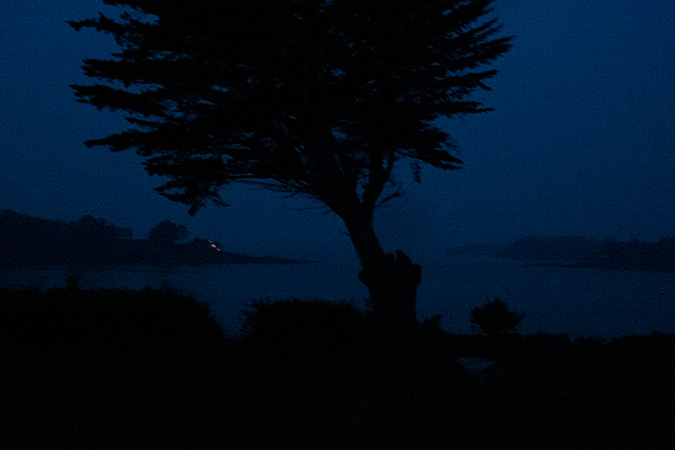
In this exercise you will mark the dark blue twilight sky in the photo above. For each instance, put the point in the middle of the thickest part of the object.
(582, 139)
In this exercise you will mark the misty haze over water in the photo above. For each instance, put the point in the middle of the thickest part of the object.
(578, 302)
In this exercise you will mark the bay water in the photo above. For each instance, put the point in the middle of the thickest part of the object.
(577, 302)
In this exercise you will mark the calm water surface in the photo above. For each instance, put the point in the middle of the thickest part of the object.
(579, 302)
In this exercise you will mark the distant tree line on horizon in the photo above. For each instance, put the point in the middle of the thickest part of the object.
(30, 242)
(633, 255)
(584, 252)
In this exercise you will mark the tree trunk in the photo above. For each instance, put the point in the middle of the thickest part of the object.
(392, 279)
(393, 290)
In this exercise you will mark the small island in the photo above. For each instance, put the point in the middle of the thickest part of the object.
(582, 252)
(31, 242)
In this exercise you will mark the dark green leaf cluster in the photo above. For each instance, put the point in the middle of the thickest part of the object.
(314, 97)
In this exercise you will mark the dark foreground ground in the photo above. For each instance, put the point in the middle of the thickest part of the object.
(150, 369)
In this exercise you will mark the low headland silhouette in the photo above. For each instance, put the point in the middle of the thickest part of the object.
(31, 242)
(582, 252)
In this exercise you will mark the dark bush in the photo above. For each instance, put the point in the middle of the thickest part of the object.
(495, 318)
(338, 335)
(105, 322)
(294, 331)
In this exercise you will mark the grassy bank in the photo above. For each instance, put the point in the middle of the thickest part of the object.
(152, 369)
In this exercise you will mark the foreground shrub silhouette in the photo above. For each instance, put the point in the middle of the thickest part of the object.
(61, 323)
(311, 332)
(555, 393)
(337, 334)
(495, 318)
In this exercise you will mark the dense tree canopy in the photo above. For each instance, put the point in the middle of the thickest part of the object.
(167, 232)
(319, 97)
(314, 97)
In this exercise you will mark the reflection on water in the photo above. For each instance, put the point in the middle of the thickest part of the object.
(579, 302)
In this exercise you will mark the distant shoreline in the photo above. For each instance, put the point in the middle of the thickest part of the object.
(31, 242)
(575, 252)
(149, 267)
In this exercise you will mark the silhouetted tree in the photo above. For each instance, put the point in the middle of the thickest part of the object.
(320, 98)
(495, 318)
(167, 232)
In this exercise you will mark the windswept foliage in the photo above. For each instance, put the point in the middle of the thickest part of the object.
(304, 93)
